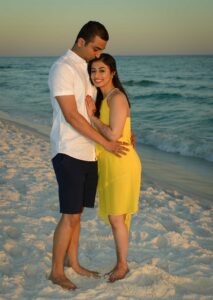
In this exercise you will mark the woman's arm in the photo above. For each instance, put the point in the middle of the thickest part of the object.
(118, 113)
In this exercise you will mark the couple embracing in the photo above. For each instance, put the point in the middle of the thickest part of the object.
(91, 146)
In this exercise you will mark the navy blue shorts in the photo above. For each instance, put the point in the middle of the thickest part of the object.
(77, 182)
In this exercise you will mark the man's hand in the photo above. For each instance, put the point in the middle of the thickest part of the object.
(133, 139)
(117, 148)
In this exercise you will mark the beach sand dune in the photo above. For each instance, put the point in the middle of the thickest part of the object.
(171, 243)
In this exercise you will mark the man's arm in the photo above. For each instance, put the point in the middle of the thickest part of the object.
(78, 122)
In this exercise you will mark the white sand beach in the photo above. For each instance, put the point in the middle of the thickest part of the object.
(171, 243)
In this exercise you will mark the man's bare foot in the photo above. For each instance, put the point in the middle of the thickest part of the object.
(83, 271)
(118, 274)
(62, 281)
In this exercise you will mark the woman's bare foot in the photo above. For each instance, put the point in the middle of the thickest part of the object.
(62, 281)
(110, 272)
(83, 271)
(118, 274)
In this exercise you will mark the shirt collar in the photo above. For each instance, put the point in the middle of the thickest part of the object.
(75, 57)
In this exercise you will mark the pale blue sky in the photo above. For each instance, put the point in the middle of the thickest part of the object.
(48, 27)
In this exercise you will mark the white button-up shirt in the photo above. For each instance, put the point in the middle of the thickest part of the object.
(69, 76)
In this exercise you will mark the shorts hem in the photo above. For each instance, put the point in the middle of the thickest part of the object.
(62, 211)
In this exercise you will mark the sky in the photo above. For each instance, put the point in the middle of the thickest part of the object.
(136, 27)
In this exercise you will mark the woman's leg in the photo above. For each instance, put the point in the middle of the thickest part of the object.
(121, 238)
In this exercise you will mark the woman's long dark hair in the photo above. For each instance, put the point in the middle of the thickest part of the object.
(109, 61)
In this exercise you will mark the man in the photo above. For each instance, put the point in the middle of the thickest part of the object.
(73, 146)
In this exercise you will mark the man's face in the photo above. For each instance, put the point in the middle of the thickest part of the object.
(93, 49)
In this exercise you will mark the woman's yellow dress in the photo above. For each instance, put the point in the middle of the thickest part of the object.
(118, 177)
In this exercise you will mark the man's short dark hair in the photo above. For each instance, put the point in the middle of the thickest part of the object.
(92, 29)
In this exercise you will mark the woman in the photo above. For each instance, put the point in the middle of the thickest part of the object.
(119, 177)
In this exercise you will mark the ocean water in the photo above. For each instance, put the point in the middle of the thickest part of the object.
(171, 98)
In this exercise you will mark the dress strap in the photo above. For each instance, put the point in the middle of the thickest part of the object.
(110, 92)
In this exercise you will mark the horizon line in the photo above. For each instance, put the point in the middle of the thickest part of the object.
(162, 54)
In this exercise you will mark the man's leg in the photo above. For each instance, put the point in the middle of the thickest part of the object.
(72, 255)
(63, 233)
(89, 190)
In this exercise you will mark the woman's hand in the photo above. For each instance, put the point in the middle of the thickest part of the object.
(90, 106)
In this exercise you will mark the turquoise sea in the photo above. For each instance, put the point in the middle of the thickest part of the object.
(171, 98)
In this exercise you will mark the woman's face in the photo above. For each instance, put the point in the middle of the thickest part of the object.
(101, 75)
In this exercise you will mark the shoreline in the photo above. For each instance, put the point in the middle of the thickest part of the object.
(170, 171)
(39, 130)
(187, 175)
